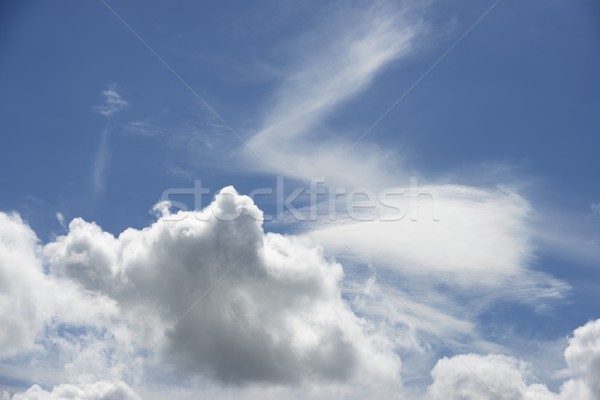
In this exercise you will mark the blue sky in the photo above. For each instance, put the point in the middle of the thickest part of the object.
(498, 116)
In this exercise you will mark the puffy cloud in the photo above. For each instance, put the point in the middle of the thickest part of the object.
(30, 299)
(50, 323)
(583, 355)
(490, 377)
(266, 308)
(473, 376)
(87, 255)
(22, 310)
(102, 390)
(276, 313)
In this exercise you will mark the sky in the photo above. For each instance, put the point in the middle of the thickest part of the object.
(390, 199)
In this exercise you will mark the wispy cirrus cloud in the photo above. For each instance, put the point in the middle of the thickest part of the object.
(113, 102)
(352, 50)
(595, 209)
(483, 237)
(141, 128)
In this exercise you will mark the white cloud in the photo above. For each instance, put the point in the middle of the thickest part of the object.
(86, 255)
(60, 218)
(101, 390)
(22, 309)
(141, 128)
(31, 299)
(277, 317)
(113, 102)
(101, 162)
(478, 247)
(355, 48)
(49, 323)
(373, 300)
(479, 237)
(583, 355)
(570, 236)
(491, 377)
(472, 376)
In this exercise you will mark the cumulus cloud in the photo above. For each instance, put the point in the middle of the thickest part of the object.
(473, 376)
(583, 356)
(266, 308)
(490, 377)
(101, 390)
(22, 312)
(31, 299)
(276, 315)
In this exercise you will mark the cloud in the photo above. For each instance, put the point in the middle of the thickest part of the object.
(277, 316)
(31, 300)
(51, 329)
(22, 310)
(583, 355)
(353, 48)
(595, 208)
(483, 237)
(113, 102)
(480, 250)
(101, 162)
(452, 261)
(268, 310)
(94, 391)
(60, 218)
(467, 235)
(491, 377)
(141, 128)
(271, 311)
(569, 236)
(473, 376)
